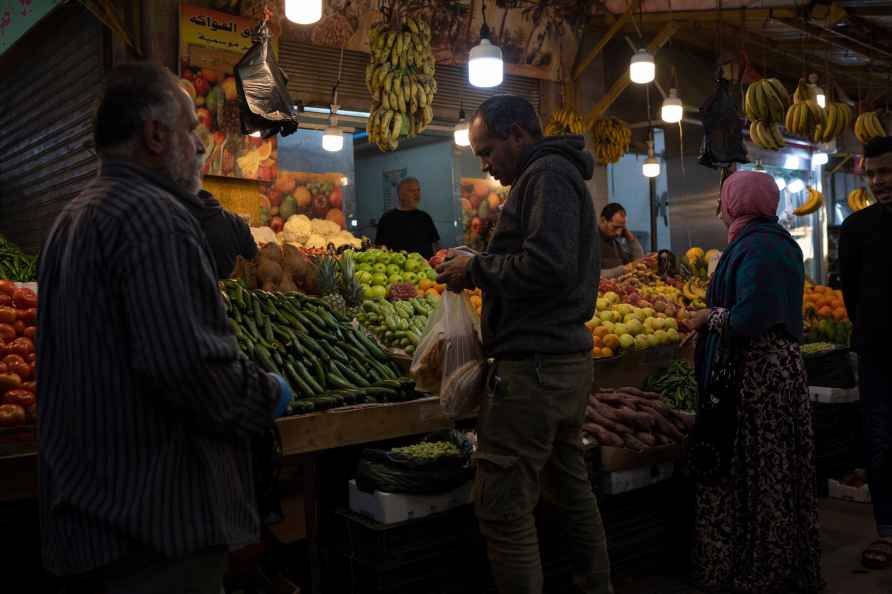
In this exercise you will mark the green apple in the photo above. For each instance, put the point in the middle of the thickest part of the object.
(397, 260)
(652, 340)
(393, 269)
(380, 267)
(366, 290)
(605, 316)
(662, 337)
(626, 341)
(635, 327)
(395, 278)
(673, 335)
(364, 277)
(365, 267)
(641, 342)
(379, 278)
(670, 324)
(620, 329)
(431, 274)
(601, 304)
(412, 265)
(410, 277)
(379, 291)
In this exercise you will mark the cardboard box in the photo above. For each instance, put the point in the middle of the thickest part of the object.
(390, 508)
(838, 490)
(623, 481)
(614, 459)
(833, 395)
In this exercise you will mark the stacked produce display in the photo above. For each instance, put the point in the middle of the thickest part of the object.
(634, 419)
(382, 274)
(398, 324)
(328, 362)
(18, 334)
(314, 195)
(826, 318)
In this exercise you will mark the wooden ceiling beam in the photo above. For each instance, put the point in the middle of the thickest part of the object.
(736, 15)
(834, 37)
(617, 25)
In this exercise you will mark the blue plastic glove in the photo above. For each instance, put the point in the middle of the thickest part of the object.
(285, 395)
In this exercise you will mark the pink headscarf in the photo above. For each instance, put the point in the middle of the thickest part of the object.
(748, 195)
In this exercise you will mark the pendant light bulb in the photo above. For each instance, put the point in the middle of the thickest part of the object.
(303, 12)
(821, 98)
(651, 166)
(672, 110)
(485, 66)
(642, 68)
(461, 131)
(333, 139)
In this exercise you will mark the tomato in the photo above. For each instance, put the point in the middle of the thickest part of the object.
(31, 357)
(24, 298)
(13, 359)
(20, 368)
(8, 315)
(7, 332)
(11, 415)
(21, 346)
(23, 398)
(7, 287)
(19, 326)
(30, 332)
(30, 386)
(29, 316)
(5, 300)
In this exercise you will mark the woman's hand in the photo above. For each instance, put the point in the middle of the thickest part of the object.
(698, 320)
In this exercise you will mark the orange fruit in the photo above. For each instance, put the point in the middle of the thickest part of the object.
(597, 341)
(596, 353)
(432, 292)
(606, 352)
(825, 312)
(611, 341)
(840, 314)
(425, 284)
(600, 331)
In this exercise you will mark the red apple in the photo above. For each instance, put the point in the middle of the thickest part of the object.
(276, 223)
(335, 198)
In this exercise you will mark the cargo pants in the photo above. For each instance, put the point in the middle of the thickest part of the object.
(529, 446)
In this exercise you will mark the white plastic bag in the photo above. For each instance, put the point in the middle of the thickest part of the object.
(449, 358)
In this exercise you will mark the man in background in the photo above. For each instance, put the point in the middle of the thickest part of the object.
(407, 228)
(618, 246)
(865, 248)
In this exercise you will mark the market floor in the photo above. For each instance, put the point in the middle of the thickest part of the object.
(846, 528)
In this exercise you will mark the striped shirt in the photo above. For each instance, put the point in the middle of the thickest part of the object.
(146, 407)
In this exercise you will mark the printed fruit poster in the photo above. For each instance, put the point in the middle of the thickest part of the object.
(481, 204)
(211, 43)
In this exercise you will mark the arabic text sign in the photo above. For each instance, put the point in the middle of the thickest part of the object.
(209, 29)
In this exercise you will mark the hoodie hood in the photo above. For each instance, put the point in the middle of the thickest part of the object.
(572, 148)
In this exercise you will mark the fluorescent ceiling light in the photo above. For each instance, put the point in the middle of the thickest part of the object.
(341, 112)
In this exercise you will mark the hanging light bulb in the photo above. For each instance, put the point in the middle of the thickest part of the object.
(819, 159)
(461, 131)
(485, 66)
(672, 110)
(333, 137)
(781, 183)
(303, 12)
(651, 166)
(255, 134)
(642, 69)
(820, 97)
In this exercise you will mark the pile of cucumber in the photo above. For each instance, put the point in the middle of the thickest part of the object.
(326, 360)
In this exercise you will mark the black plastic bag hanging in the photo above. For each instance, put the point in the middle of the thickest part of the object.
(264, 103)
(722, 129)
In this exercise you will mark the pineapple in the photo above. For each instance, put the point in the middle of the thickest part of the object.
(349, 287)
(327, 284)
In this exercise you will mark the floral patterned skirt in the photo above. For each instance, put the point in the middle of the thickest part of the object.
(757, 532)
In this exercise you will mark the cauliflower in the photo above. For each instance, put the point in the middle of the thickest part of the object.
(343, 238)
(280, 238)
(297, 229)
(324, 227)
(316, 241)
(263, 235)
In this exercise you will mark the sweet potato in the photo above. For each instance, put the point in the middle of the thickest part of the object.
(602, 435)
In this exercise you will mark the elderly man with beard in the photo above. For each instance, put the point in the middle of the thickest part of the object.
(147, 409)
(865, 246)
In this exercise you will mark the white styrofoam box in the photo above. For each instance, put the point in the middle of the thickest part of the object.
(838, 490)
(833, 395)
(390, 508)
(623, 481)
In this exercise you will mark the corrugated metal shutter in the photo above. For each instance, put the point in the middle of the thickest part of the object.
(313, 71)
(50, 82)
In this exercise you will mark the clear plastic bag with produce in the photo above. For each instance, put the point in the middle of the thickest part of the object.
(449, 358)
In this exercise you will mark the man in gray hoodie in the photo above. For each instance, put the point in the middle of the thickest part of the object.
(539, 278)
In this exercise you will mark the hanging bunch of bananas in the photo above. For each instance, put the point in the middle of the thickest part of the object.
(868, 127)
(839, 117)
(765, 103)
(611, 138)
(859, 198)
(805, 117)
(814, 202)
(564, 121)
(400, 78)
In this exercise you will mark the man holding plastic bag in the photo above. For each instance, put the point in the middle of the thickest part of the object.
(539, 278)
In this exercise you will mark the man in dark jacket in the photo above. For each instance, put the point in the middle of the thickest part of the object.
(865, 244)
(539, 278)
(147, 406)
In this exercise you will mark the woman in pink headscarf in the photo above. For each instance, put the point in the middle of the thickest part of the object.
(752, 450)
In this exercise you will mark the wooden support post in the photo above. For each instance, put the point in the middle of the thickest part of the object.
(624, 81)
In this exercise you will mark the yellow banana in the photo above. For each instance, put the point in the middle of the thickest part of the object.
(833, 118)
(776, 136)
(775, 103)
(814, 202)
(780, 90)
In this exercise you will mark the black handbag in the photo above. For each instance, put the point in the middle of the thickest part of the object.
(711, 444)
